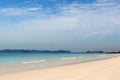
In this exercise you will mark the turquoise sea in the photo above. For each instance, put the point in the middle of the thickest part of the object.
(13, 62)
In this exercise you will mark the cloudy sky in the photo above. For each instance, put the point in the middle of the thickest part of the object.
(76, 25)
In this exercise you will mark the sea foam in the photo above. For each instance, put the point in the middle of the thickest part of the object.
(30, 62)
(68, 58)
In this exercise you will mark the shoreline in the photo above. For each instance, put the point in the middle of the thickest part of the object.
(28, 67)
(107, 69)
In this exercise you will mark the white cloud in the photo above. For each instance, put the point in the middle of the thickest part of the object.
(19, 11)
(73, 24)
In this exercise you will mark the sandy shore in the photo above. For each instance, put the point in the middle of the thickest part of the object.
(108, 69)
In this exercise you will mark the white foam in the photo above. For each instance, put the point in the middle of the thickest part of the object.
(74, 58)
(43, 60)
(79, 57)
(68, 58)
(103, 55)
(100, 55)
(30, 62)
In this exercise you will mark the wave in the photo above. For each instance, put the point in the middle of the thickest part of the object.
(30, 62)
(68, 58)
(80, 57)
(101, 55)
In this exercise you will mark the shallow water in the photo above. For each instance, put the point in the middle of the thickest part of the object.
(20, 62)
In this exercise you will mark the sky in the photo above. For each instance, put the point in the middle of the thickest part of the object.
(76, 25)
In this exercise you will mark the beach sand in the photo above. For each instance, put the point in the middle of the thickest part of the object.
(108, 69)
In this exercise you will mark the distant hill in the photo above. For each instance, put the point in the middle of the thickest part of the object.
(32, 51)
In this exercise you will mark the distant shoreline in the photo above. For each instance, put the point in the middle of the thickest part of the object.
(32, 51)
(112, 52)
(50, 51)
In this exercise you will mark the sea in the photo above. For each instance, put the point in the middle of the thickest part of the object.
(17, 62)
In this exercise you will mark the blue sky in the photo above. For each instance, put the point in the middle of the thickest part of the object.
(76, 25)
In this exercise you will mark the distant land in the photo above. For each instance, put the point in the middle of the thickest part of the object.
(94, 51)
(50, 51)
(118, 52)
(32, 51)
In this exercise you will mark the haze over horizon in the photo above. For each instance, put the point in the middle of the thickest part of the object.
(76, 25)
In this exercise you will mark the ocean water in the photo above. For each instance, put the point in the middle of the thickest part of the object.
(19, 62)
